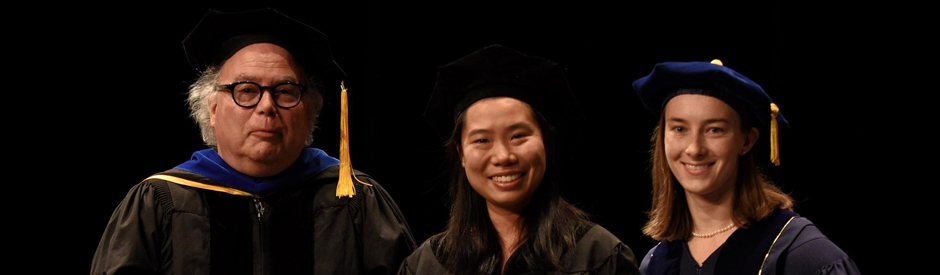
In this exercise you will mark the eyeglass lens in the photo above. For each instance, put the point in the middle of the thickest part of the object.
(286, 95)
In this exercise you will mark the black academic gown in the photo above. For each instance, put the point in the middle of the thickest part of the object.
(166, 228)
(596, 252)
(783, 243)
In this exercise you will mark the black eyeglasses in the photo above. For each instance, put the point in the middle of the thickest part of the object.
(248, 94)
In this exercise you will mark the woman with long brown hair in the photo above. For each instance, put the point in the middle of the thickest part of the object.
(713, 211)
(499, 110)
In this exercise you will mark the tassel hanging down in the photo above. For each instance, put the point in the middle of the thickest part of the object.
(345, 188)
(774, 146)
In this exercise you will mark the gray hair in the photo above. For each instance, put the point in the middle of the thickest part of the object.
(201, 98)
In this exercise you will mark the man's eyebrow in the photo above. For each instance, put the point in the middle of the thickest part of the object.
(245, 77)
(252, 78)
(286, 79)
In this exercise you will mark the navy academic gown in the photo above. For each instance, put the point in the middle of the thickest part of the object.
(800, 249)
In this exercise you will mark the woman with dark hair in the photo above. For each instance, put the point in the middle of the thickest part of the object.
(500, 110)
(713, 211)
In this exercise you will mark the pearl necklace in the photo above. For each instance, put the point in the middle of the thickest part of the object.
(709, 235)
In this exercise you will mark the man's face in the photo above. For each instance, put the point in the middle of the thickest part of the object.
(265, 139)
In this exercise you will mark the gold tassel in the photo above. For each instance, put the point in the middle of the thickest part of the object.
(774, 147)
(345, 188)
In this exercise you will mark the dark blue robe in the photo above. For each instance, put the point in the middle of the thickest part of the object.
(783, 243)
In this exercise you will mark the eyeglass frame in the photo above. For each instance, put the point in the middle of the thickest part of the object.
(231, 89)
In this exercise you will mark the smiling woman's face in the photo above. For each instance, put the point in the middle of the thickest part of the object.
(502, 152)
(703, 139)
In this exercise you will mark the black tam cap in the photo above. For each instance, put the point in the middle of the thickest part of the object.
(496, 71)
(220, 34)
(752, 103)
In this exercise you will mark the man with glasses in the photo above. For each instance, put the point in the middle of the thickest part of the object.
(259, 201)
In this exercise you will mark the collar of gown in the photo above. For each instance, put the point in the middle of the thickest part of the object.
(209, 164)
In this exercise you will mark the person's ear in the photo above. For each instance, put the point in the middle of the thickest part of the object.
(750, 138)
(212, 107)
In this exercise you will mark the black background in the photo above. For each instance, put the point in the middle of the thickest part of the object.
(119, 78)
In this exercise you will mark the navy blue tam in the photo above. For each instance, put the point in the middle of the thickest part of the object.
(752, 103)
(220, 34)
(672, 78)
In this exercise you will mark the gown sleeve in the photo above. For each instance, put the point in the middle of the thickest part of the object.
(600, 252)
(622, 262)
(132, 241)
(422, 261)
(386, 237)
(404, 269)
(646, 260)
(813, 253)
(819, 256)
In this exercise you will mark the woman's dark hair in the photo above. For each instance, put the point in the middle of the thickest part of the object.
(551, 225)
